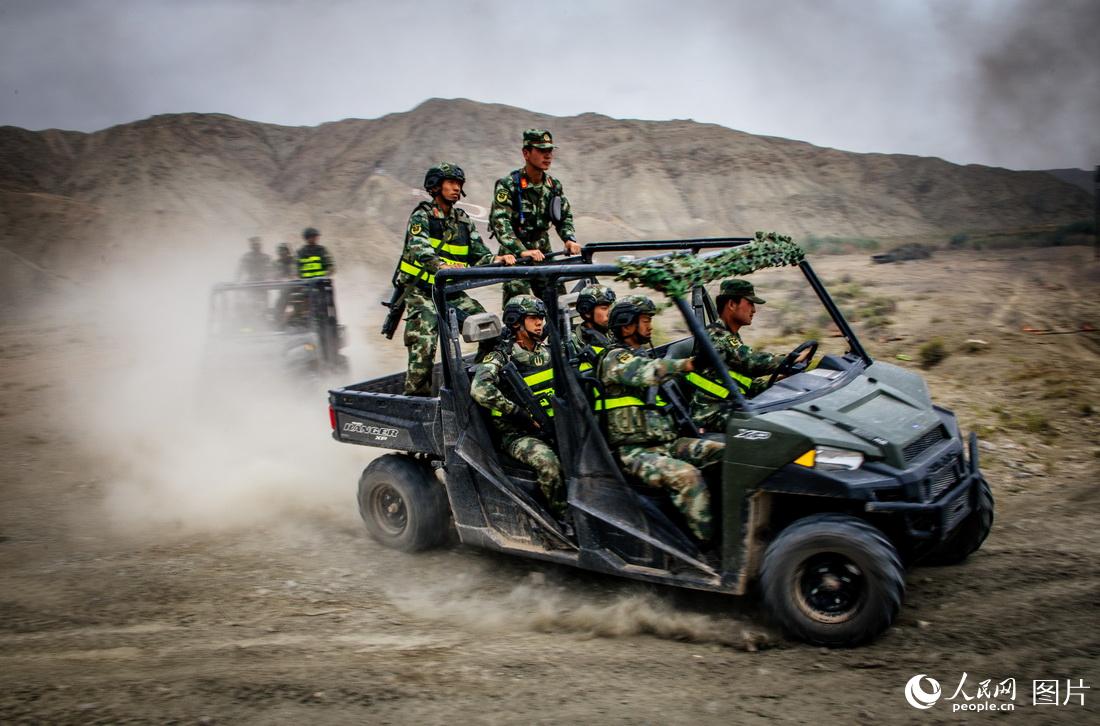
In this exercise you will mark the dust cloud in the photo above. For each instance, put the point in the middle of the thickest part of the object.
(186, 452)
(541, 606)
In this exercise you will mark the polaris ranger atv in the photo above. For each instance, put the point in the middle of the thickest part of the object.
(834, 476)
(286, 326)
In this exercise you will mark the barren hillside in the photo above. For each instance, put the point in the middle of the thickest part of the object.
(71, 203)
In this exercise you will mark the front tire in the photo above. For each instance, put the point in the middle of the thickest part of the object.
(968, 536)
(833, 580)
(402, 505)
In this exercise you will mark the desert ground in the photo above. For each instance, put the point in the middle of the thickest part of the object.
(168, 558)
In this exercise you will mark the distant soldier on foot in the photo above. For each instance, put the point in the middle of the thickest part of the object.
(255, 264)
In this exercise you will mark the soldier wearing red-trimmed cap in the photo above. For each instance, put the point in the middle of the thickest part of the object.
(527, 203)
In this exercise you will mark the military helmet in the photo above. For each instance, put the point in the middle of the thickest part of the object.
(626, 310)
(309, 233)
(443, 170)
(519, 307)
(593, 296)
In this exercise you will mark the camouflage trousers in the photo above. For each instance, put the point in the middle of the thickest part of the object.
(422, 336)
(538, 455)
(674, 465)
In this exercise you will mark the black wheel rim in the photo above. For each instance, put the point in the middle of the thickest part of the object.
(831, 587)
(388, 510)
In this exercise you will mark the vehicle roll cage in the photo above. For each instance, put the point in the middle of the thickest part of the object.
(696, 313)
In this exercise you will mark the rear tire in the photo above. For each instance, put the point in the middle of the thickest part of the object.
(968, 536)
(833, 580)
(402, 505)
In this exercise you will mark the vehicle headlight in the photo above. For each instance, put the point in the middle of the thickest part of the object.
(830, 459)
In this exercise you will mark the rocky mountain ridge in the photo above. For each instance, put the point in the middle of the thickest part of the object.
(73, 202)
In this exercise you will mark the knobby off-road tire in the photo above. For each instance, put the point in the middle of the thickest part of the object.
(833, 580)
(968, 536)
(402, 505)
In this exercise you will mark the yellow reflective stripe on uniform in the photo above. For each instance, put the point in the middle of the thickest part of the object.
(621, 402)
(447, 261)
(584, 367)
(539, 377)
(707, 385)
(716, 389)
(458, 250)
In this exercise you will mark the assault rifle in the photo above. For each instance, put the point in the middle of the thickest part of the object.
(527, 400)
(396, 304)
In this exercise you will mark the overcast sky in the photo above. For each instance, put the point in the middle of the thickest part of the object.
(1011, 83)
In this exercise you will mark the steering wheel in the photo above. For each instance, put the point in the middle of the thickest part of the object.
(788, 367)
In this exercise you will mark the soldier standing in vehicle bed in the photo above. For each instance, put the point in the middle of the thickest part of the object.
(521, 437)
(736, 304)
(639, 429)
(439, 235)
(313, 258)
(526, 203)
(255, 265)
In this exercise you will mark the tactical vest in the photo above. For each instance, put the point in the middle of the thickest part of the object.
(311, 265)
(451, 252)
(540, 379)
(520, 227)
(629, 419)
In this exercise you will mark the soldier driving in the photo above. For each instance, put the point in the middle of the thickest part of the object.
(439, 235)
(522, 437)
(526, 203)
(736, 304)
(640, 430)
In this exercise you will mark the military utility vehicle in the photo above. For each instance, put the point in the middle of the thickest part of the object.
(286, 327)
(835, 477)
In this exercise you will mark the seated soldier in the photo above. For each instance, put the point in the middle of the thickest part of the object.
(590, 336)
(522, 437)
(643, 435)
(736, 304)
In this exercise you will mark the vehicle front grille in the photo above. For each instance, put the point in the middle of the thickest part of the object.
(921, 445)
(958, 510)
(942, 480)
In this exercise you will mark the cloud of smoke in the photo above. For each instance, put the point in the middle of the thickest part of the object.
(188, 451)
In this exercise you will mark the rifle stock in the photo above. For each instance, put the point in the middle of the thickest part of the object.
(396, 305)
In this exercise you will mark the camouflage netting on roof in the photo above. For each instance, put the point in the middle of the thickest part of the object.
(677, 273)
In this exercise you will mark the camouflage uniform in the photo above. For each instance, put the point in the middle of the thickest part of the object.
(534, 202)
(459, 242)
(645, 437)
(517, 440)
(743, 363)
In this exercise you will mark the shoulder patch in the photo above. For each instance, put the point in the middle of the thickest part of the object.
(623, 356)
(502, 196)
(415, 229)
